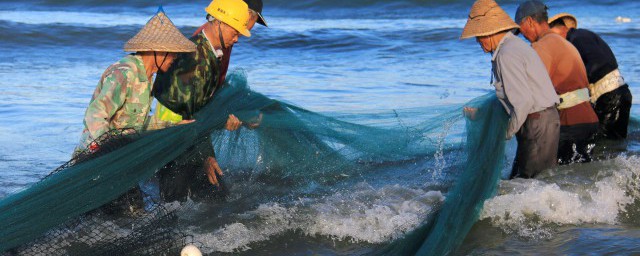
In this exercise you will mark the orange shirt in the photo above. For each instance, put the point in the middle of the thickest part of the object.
(568, 73)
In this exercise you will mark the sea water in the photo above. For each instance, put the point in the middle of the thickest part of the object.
(357, 60)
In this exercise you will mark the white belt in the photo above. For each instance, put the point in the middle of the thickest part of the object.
(608, 83)
(573, 98)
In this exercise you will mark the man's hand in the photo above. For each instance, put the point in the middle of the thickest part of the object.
(470, 112)
(93, 147)
(255, 123)
(233, 123)
(212, 168)
(186, 121)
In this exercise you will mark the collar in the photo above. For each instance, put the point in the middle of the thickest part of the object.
(495, 53)
(217, 52)
(142, 71)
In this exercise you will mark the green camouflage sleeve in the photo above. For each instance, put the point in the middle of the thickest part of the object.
(189, 83)
(105, 102)
(175, 88)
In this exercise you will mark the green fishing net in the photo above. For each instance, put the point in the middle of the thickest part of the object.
(298, 149)
(478, 181)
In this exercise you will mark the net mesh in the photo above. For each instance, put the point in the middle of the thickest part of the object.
(72, 211)
(478, 181)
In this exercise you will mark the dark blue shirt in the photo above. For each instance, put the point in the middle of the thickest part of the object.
(595, 52)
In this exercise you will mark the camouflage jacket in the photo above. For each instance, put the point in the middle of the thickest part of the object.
(191, 80)
(121, 100)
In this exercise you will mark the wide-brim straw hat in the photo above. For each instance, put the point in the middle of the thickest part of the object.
(569, 20)
(159, 35)
(486, 18)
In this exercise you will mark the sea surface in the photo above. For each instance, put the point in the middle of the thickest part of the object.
(349, 59)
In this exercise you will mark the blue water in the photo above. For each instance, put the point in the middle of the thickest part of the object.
(342, 58)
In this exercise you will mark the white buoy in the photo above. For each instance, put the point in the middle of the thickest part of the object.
(190, 250)
(621, 19)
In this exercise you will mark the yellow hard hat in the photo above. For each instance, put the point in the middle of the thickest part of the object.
(234, 13)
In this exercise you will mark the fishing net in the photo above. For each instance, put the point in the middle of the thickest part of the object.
(478, 181)
(295, 150)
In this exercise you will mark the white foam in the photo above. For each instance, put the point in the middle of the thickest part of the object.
(371, 216)
(528, 207)
(267, 220)
(364, 215)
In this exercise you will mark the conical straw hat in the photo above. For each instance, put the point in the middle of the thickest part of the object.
(569, 20)
(486, 18)
(159, 35)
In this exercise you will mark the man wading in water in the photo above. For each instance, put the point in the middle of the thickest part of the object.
(610, 95)
(578, 121)
(122, 99)
(189, 85)
(522, 85)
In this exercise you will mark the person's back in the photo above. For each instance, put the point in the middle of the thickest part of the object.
(514, 51)
(579, 123)
(121, 100)
(568, 74)
(596, 54)
(523, 85)
(609, 93)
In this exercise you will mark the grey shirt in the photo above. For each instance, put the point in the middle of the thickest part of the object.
(521, 80)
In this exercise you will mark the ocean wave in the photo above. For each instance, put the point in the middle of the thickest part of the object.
(365, 215)
(132, 3)
(275, 3)
(56, 36)
(87, 19)
(292, 25)
(104, 30)
(594, 193)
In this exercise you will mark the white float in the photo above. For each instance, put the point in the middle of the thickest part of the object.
(190, 250)
(621, 19)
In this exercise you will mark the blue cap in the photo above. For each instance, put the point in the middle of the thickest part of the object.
(529, 8)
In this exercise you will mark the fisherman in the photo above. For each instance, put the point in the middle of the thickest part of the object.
(255, 16)
(122, 99)
(189, 85)
(610, 95)
(578, 121)
(522, 86)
